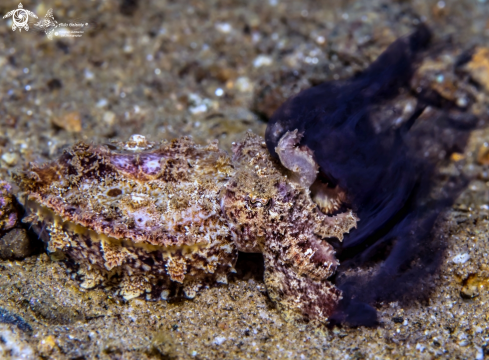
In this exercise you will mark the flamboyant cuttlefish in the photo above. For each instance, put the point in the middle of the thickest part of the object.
(150, 219)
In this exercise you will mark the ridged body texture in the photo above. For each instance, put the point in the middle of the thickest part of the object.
(157, 220)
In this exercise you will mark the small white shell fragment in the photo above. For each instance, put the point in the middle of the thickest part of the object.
(224, 28)
(10, 158)
(262, 60)
(165, 294)
(218, 340)
(244, 84)
(461, 258)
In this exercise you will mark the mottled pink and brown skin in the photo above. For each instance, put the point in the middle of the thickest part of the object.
(270, 214)
(8, 211)
(143, 217)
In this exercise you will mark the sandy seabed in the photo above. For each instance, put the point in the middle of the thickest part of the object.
(214, 70)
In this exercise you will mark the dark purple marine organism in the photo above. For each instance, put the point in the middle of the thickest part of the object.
(375, 173)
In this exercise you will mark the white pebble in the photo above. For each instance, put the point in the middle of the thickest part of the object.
(224, 28)
(10, 158)
(461, 258)
(102, 103)
(262, 60)
(109, 118)
(219, 92)
(244, 84)
(88, 74)
(201, 108)
(218, 340)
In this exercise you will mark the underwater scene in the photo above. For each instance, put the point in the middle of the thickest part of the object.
(222, 179)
